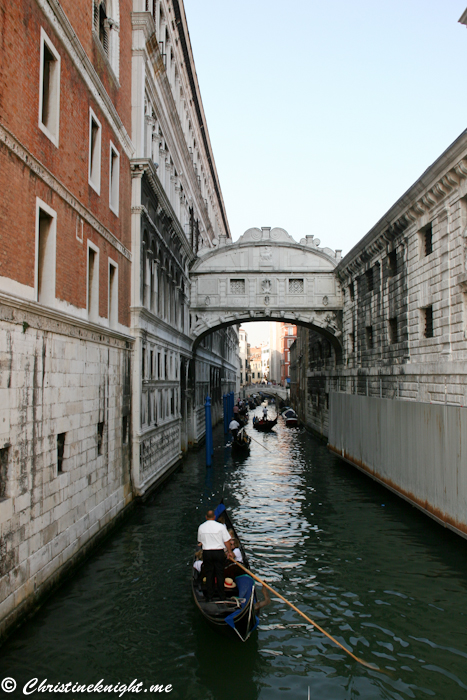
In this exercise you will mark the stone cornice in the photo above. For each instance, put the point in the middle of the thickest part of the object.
(157, 323)
(423, 199)
(55, 321)
(146, 166)
(26, 157)
(178, 147)
(184, 37)
(60, 22)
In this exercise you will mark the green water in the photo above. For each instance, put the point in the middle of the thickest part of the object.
(375, 573)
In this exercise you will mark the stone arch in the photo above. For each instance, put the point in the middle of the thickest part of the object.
(328, 326)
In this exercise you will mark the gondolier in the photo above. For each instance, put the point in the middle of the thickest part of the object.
(234, 426)
(213, 537)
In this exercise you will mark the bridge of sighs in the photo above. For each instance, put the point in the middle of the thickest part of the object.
(266, 276)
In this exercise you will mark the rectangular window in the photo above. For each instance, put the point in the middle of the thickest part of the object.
(46, 227)
(95, 136)
(60, 451)
(392, 263)
(393, 334)
(114, 179)
(428, 321)
(369, 337)
(49, 89)
(426, 240)
(100, 437)
(143, 363)
(351, 291)
(296, 286)
(3, 470)
(93, 283)
(125, 430)
(351, 342)
(369, 279)
(237, 286)
(113, 294)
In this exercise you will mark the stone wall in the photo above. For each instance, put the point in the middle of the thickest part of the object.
(64, 448)
(404, 335)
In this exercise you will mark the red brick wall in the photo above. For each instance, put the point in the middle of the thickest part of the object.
(20, 26)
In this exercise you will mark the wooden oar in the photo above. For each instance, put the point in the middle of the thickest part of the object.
(257, 441)
(308, 619)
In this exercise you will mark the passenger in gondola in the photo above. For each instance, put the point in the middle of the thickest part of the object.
(234, 427)
(198, 563)
(235, 546)
(236, 549)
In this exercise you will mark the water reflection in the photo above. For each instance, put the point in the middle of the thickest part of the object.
(375, 573)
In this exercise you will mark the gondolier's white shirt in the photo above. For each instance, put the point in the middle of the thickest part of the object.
(212, 535)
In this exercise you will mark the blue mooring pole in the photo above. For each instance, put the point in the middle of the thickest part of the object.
(226, 414)
(232, 401)
(209, 443)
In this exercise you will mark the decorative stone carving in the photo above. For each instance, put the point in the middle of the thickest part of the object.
(300, 281)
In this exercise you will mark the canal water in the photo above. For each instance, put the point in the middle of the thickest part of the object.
(383, 579)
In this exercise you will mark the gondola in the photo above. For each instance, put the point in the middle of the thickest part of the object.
(235, 616)
(290, 417)
(264, 426)
(241, 442)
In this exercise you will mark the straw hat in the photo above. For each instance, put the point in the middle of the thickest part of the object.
(229, 583)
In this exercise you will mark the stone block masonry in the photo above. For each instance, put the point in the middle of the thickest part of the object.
(65, 468)
(395, 403)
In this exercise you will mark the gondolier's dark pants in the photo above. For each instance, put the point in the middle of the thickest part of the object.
(214, 560)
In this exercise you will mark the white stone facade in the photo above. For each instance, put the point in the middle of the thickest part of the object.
(404, 339)
(177, 208)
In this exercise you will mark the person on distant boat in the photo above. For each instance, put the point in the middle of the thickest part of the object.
(234, 426)
(213, 536)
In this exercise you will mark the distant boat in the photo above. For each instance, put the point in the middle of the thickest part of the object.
(264, 426)
(241, 443)
(290, 417)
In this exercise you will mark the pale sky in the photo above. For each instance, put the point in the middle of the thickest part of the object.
(322, 114)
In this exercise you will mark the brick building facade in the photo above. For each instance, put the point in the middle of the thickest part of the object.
(100, 388)
(65, 259)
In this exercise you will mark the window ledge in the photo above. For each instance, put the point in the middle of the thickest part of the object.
(51, 136)
(100, 48)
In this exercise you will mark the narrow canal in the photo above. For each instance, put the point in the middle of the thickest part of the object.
(370, 569)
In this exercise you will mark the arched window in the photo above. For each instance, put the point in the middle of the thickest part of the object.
(106, 27)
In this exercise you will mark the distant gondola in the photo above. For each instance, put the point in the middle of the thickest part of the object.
(241, 442)
(264, 426)
(290, 417)
(236, 615)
